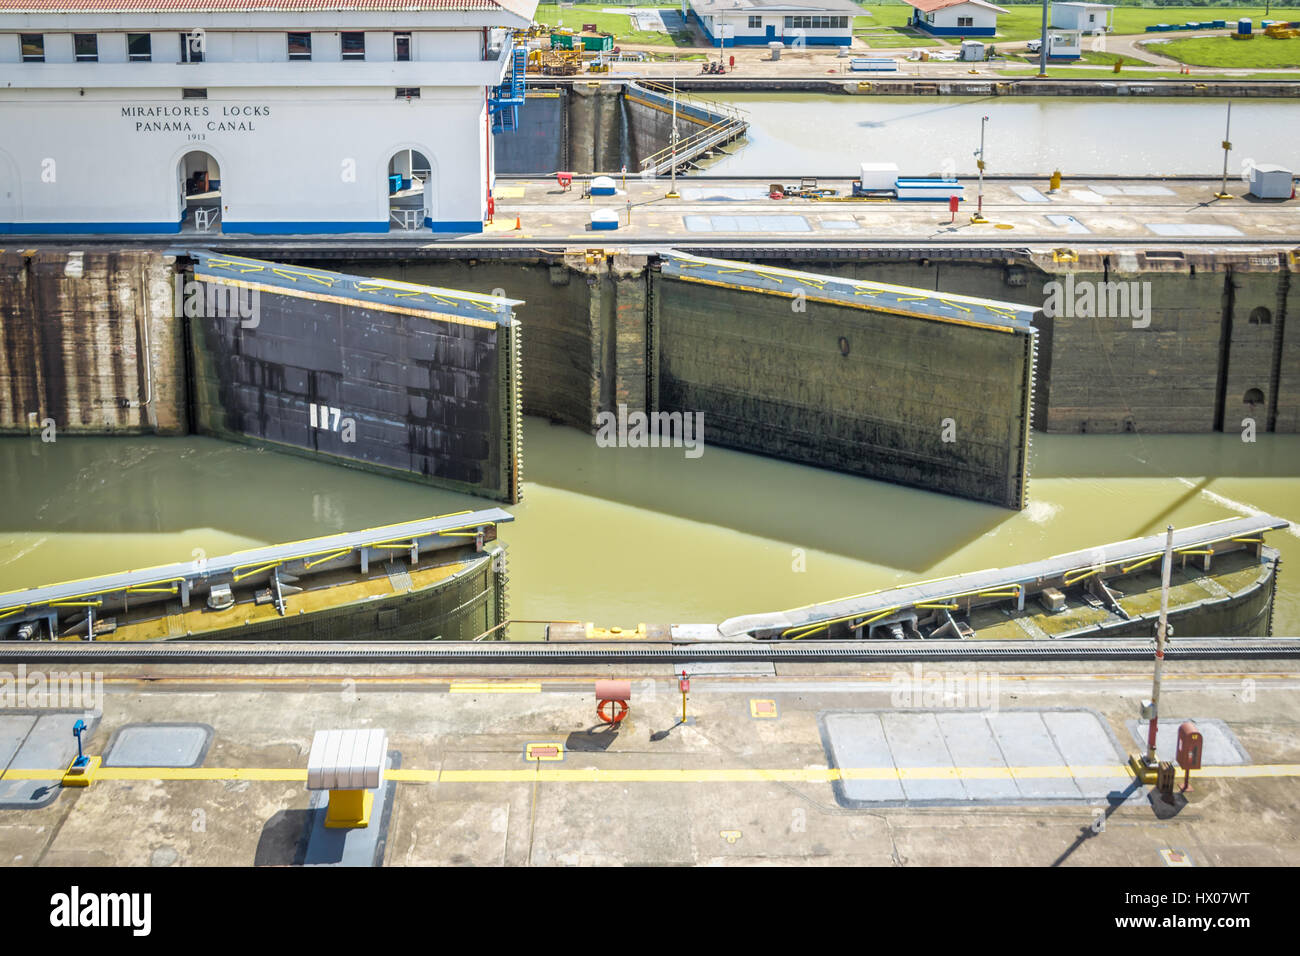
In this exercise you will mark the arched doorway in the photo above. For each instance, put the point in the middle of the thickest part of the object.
(200, 186)
(408, 172)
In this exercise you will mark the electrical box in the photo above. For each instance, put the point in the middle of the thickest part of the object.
(1270, 182)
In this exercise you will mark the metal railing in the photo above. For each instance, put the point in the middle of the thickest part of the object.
(711, 106)
(409, 219)
(205, 217)
(732, 125)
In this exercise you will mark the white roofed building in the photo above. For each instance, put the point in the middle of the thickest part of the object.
(1087, 18)
(964, 18)
(759, 22)
(253, 116)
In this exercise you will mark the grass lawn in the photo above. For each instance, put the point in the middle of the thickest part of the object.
(619, 24)
(1091, 57)
(1105, 59)
(886, 28)
(897, 37)
(1260, 53)
(1137, 19)
(1025, 21)
(1065, 72)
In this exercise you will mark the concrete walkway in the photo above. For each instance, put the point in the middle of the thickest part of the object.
(1176, 211)
(1033, 760)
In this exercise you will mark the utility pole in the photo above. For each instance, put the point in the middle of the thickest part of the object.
(672, 139)
(1227, 146)
(1145, 766)
(1162, 631)
(1042, 50)
(979, 162)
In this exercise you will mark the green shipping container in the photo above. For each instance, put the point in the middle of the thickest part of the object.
(592, 43)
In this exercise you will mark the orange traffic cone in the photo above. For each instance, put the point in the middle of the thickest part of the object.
(517, 223)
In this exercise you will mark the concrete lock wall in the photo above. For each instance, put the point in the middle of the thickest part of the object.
(915, 401)
(598, 332)
(597, 127)
(90, 344)
(1187, 370)
(559, 328)
(588, 127)
(540, 146)
(583, 328)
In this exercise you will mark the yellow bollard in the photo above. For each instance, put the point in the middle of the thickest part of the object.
(1056, 181)
(349, 809)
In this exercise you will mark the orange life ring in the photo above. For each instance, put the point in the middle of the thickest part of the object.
(619, 711)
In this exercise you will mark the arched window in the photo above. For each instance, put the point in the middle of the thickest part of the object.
(1261, 316)
(1253, 396)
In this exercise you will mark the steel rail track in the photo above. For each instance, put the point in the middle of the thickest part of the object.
(172, 652)
(422, 247)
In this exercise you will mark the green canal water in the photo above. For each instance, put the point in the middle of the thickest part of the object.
(829, 135)
(623, 536)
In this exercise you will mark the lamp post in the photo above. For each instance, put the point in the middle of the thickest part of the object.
(1162, 630)
(672, 139)
(1227, 147)
(1042, 49)
(722, 34)
(979, 162)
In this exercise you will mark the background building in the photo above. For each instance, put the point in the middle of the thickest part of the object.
(967, 18)
(758, 22)
(1087, 18)
(253, 116)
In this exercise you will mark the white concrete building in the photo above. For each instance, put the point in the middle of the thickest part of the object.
(251, 116)
(759, 22)
(965, 18)
(1061, 44)
(1087, 18)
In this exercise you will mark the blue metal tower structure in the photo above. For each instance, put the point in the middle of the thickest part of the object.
(506, 99)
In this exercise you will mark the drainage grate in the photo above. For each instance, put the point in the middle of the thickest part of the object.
(398, 578)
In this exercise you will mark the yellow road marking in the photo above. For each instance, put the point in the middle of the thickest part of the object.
(666, 775)
(469, 687)
(170, 773)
